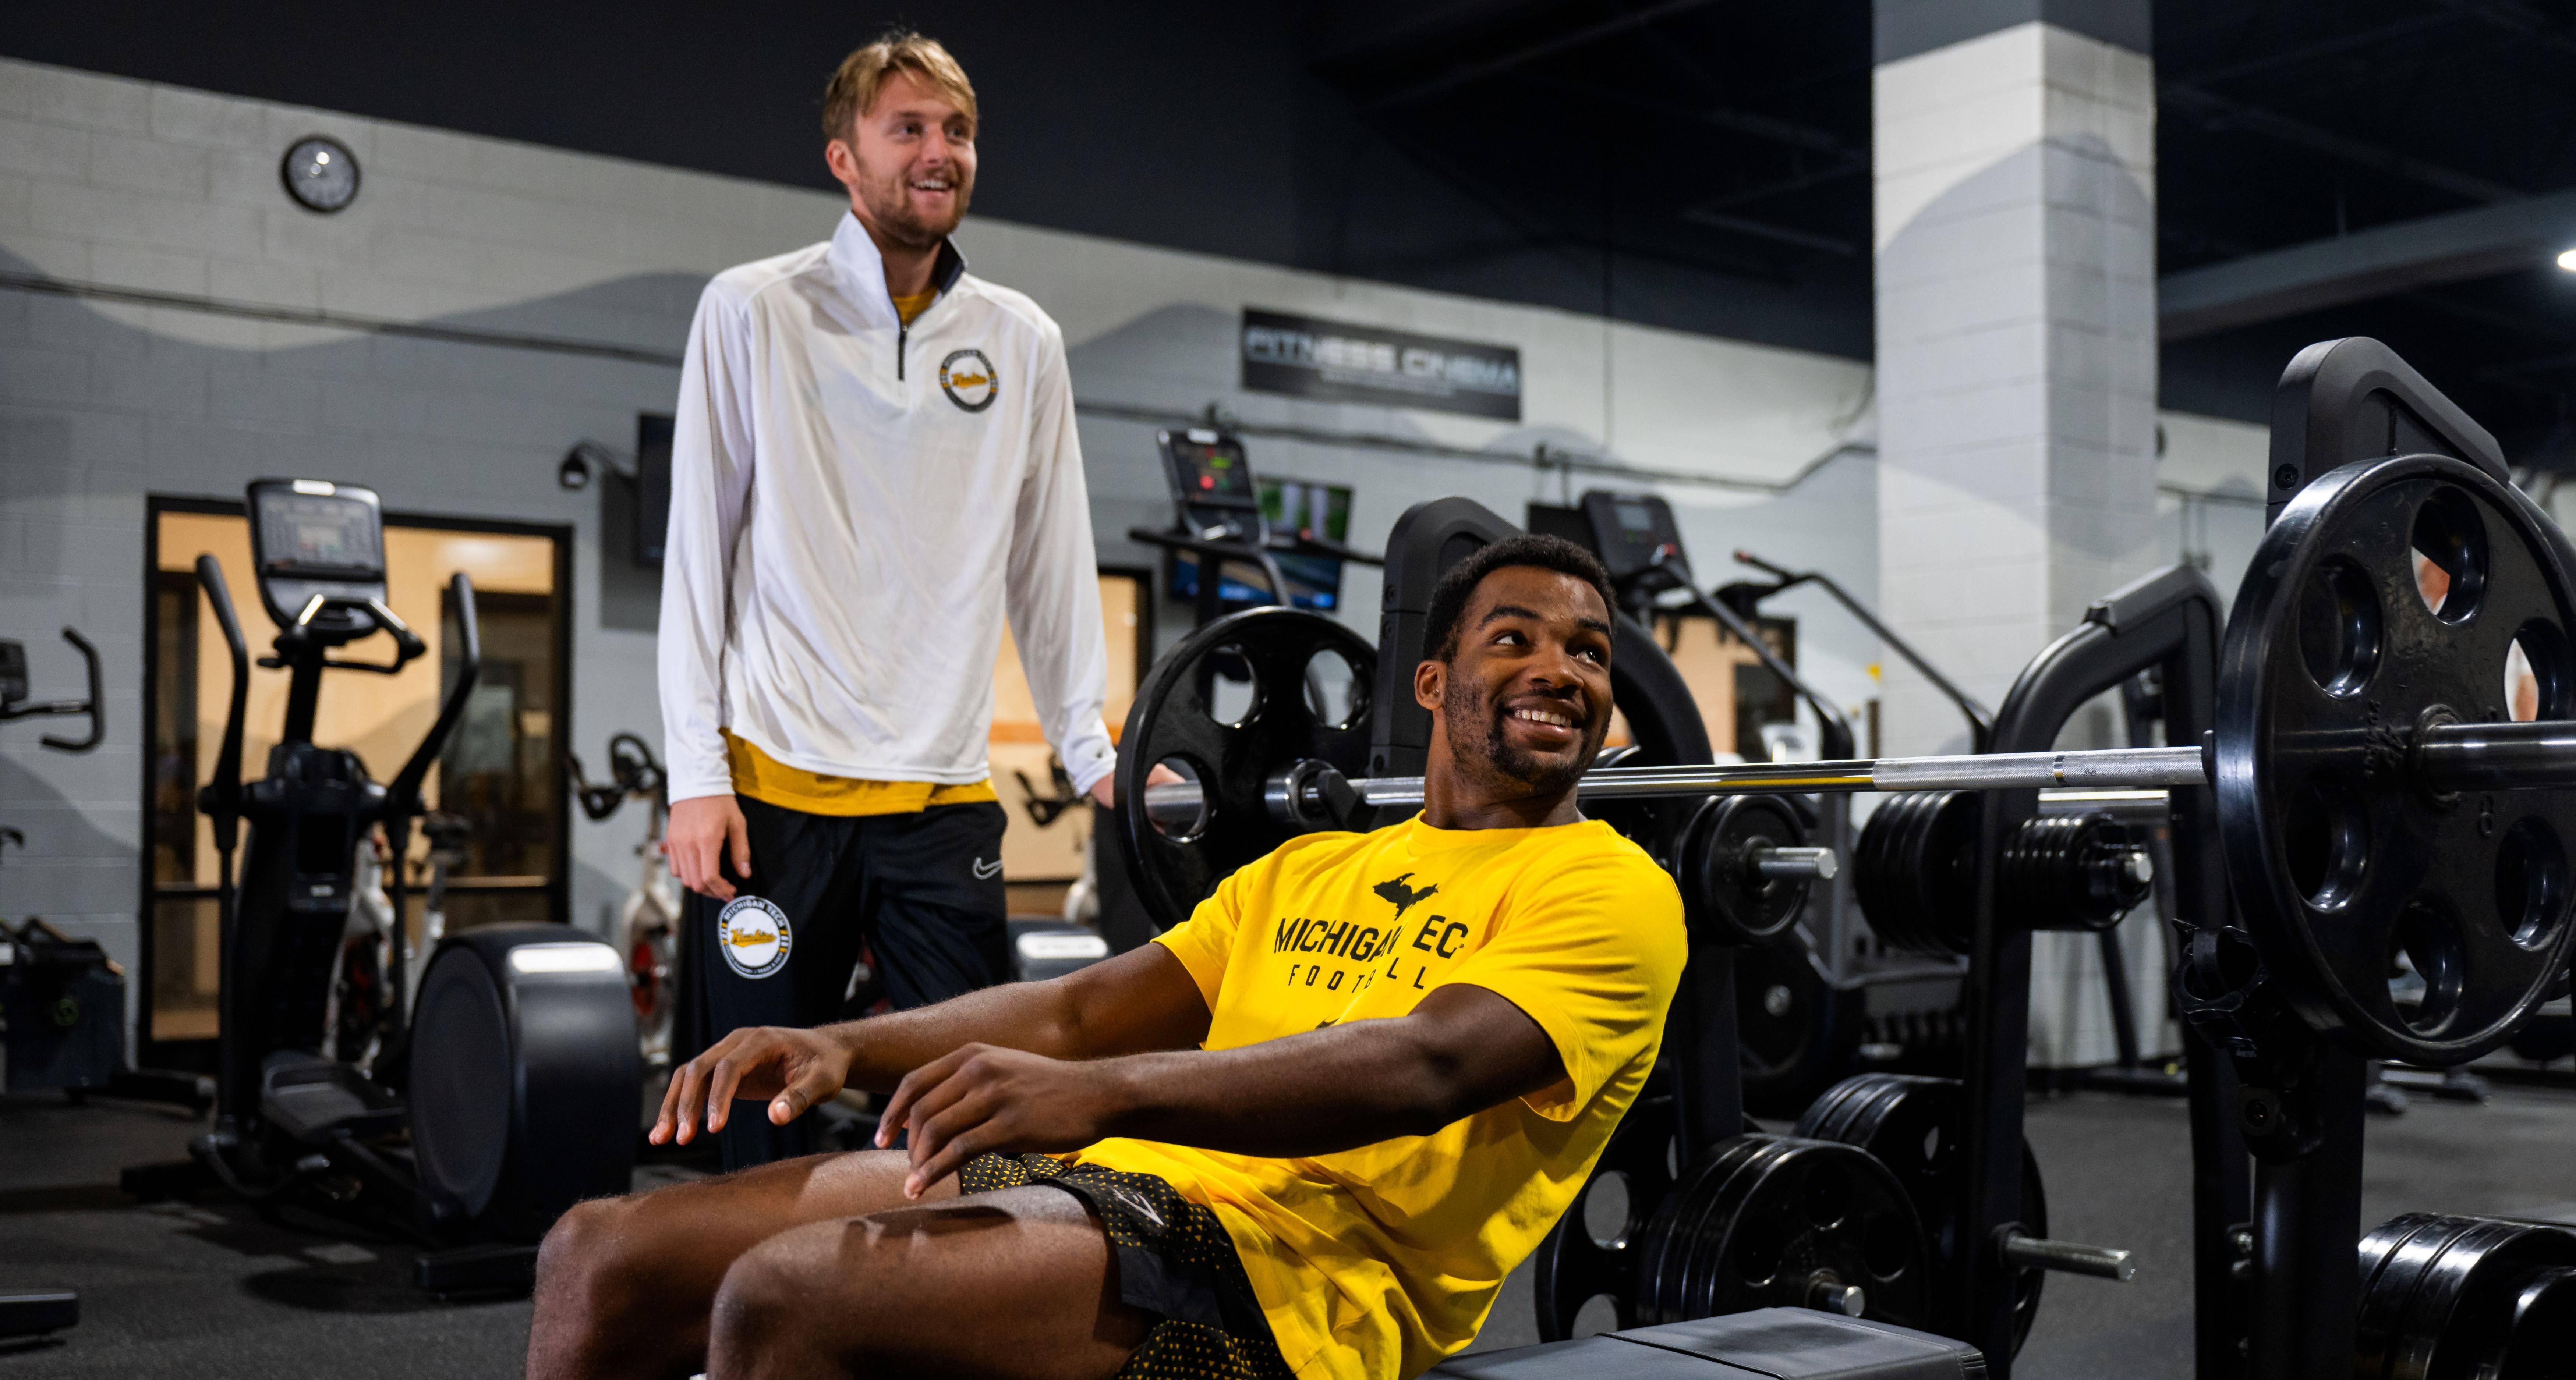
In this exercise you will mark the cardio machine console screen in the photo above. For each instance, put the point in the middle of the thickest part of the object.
(1627, 530)
(1208, 469)
(324, 536)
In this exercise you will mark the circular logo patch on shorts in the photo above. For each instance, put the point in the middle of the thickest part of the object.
(754, 936)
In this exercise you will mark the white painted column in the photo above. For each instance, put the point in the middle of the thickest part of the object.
(2015, 239)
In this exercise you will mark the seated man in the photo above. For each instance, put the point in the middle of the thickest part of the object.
(1307, 1132)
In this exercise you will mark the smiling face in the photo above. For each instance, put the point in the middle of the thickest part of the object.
(1524, 704)
(909, 162)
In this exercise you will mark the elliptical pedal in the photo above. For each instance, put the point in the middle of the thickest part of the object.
(318, 1100)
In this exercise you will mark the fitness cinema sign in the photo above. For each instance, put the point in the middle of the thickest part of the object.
(1306, 358)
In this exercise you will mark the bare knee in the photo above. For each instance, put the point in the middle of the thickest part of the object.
(762, 1322)
(818, 1300)
(592, 1269)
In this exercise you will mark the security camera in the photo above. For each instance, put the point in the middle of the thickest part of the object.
(587, 458)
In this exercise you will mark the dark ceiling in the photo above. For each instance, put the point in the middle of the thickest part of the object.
(1701, 164)
(1730, 138)
(1734, 138)
(2289, 123)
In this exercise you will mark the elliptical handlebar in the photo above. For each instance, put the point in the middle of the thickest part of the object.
(402, 796)
(297, 636)
(221, 799)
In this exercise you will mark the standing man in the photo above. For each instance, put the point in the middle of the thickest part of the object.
(874, 460)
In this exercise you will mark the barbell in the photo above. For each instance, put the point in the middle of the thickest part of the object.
(2376, 804)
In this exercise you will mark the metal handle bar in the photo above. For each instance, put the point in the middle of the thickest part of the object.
(1797, 863)
(222, 797)
(1180, 802)
(407, 644)
(402, 798)
(1981, 720)
(90, 706)
(2101, 1262)
(2445, 757)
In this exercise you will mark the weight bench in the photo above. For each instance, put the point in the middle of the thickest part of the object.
(1765, 1344)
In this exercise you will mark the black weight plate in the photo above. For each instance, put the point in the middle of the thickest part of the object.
(2331, 662)
(1914, 874)
(1574, 1267)
(1763, 1221)
(1795, 1034)
(1726, 899)
(1173, 718)
(2466, 1298)
(1911, 1125)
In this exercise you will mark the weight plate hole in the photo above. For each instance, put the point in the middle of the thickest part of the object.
(2326, 842)
(2450, 542)
(1335, 694)
(1605, 1211)
(2339, 627)
(1759, 1245)
(1599, 1313)
(2531, 882)
(2536, 673)
(1826, 1196)
(1886, 1245)
(1932, 1146)
(1228, 687)
(2425, 968)
(1178, 815)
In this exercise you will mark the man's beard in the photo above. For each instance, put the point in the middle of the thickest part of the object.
(890, 202)
(1479, 744)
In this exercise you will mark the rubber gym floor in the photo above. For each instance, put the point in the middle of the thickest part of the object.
(211, 1290)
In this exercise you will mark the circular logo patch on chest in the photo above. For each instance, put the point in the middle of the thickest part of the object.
(753, 935)
(969, 380)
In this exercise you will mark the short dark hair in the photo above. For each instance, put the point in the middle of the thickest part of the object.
(1449, 598)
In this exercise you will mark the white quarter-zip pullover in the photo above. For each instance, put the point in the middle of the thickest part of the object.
(854, 505)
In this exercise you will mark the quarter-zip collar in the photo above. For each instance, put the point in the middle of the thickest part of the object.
(861, 270)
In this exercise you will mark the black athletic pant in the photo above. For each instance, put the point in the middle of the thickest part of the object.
(922, 891)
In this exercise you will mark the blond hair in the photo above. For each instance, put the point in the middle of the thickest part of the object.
(854, 87)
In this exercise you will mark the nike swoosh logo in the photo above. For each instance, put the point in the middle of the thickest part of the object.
(985, 872)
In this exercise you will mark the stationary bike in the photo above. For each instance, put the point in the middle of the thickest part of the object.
(510, 1089)
(648, 920)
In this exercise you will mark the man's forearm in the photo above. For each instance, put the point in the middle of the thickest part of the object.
(1138, 1001)
(1034, 1016)
(1319, 1092)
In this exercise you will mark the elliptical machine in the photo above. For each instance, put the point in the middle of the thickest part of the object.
(513, 1089)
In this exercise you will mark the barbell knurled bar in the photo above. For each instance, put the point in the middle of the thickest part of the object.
(2444, 758)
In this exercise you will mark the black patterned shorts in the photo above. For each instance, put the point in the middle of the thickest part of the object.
(1174, 1261)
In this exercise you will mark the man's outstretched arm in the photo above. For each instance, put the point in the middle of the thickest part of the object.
(1461, 1050)
(1141, 1000)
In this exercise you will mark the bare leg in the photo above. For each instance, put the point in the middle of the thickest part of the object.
(1019, 1284)
(624, 1284)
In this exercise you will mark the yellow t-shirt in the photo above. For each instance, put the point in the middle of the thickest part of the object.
(765, 778)
(915, 305)
(1379, 1261)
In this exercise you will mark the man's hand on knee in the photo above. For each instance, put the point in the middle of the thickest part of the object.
(983, 1098)
(702, 831)
(793, 1069)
